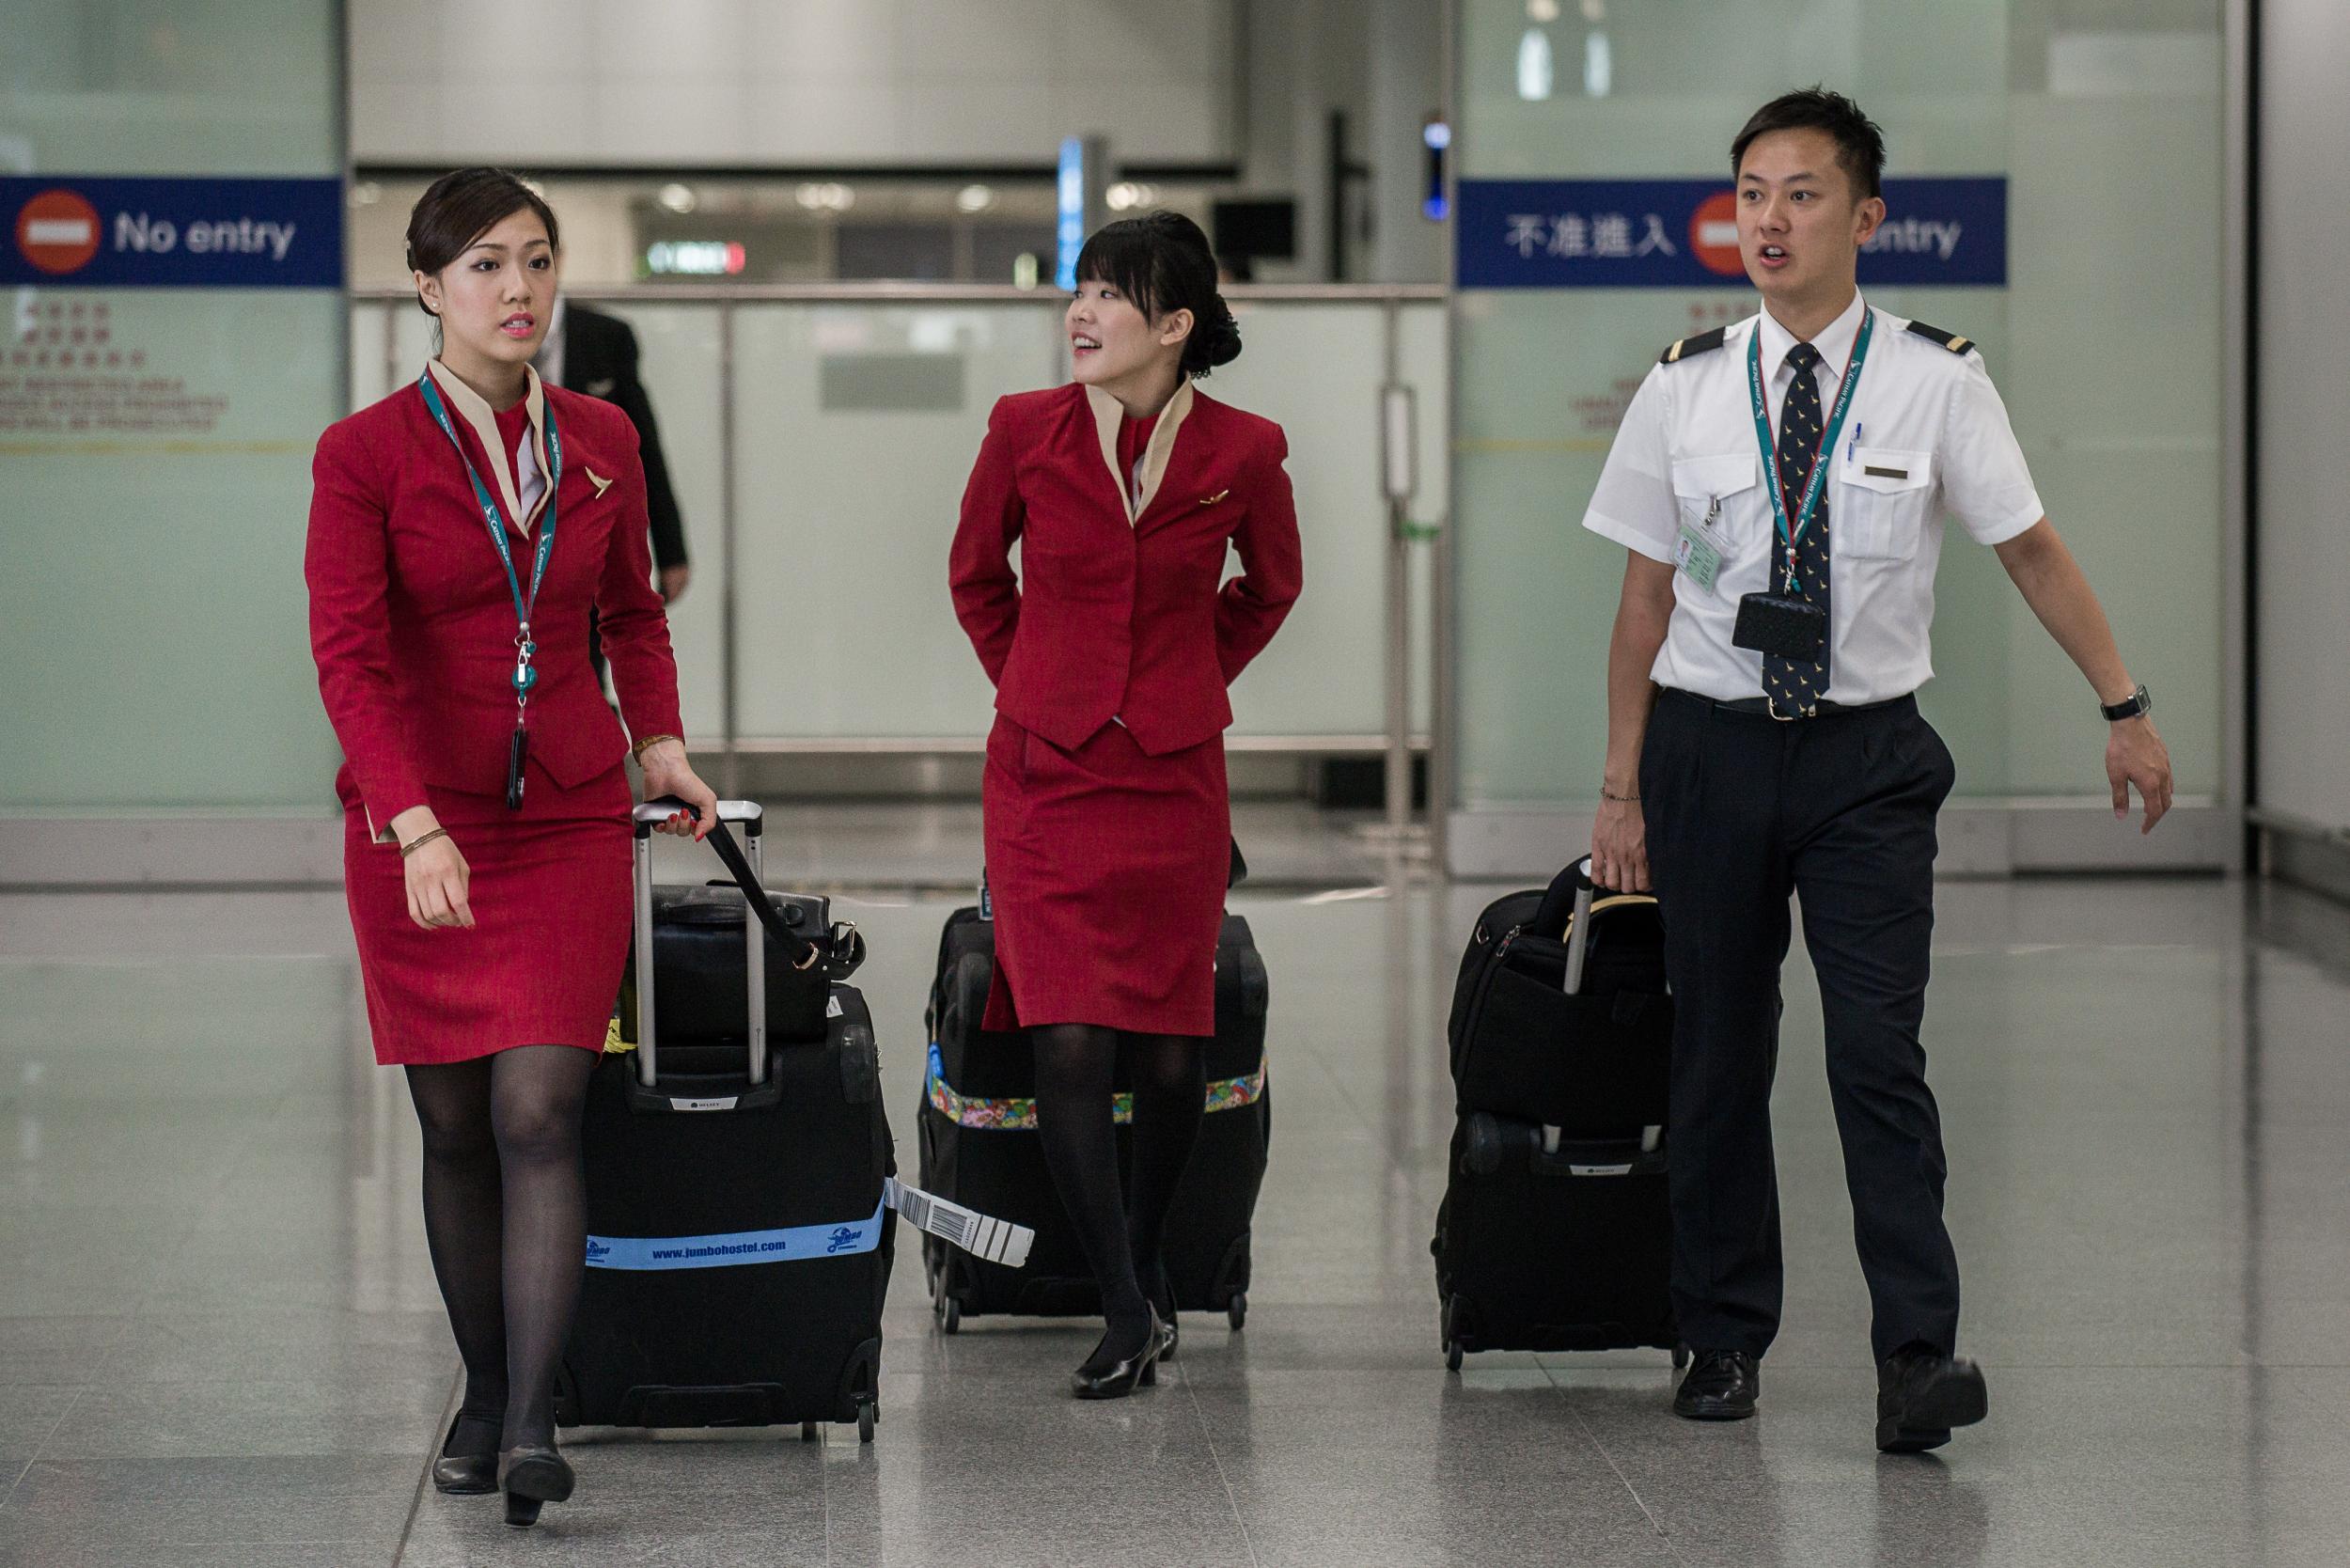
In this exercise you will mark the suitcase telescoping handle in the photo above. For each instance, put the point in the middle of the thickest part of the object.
(1565, 910)
(803, 954)
(1579, 927)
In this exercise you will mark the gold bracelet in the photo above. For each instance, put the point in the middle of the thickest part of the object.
(638, 750)
(420, 840)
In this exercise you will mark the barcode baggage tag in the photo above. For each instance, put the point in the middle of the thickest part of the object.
(995, 1241)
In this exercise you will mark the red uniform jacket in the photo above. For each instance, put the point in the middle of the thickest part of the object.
(413, 625)
(1119, 617)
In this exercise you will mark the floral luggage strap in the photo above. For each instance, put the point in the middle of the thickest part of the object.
(1017, 1113)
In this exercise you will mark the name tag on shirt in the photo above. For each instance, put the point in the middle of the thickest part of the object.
(1698, 554)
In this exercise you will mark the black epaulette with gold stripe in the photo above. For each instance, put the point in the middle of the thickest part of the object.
(1702, 343)
(1950, 341)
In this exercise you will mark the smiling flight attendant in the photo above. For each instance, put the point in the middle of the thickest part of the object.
(1108, 829)
(459, 531)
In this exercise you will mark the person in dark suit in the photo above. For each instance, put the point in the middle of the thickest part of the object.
(589, 351)
(1107, 817)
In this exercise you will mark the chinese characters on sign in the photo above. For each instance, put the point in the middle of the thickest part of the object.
(68, 371)
(1605, 235)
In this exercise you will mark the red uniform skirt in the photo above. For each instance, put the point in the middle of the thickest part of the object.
(550, 894)
(1107, 869)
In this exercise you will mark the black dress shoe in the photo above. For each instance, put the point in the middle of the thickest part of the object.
(467, 1464)
(1922, 1394)
(1117, 1377)
(1722, 1386)
(532, 1475)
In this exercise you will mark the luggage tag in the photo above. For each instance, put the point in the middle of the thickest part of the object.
(1698, 554)
(991, 1240)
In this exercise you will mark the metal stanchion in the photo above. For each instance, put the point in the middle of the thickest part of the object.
(1399, 481)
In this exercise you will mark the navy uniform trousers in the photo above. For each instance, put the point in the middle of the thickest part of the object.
(1741, 810)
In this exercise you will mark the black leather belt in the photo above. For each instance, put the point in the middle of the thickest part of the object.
(1761, 706)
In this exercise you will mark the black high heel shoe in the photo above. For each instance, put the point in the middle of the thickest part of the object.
(463, 1474)
(532, 1475)
(1162, 1294)
(1122, 1377)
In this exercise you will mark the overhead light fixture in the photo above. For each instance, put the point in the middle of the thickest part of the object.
(975, 198)
(1534, 66)
(825, 196)
(1599, 63)
(367, 193)
(1127, 194)
(677, 198)
(1542, 10)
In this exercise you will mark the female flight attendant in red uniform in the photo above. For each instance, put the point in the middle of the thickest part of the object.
(459, 531)
(1107, 825)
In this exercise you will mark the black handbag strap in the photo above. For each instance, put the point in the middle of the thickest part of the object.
(803, 953)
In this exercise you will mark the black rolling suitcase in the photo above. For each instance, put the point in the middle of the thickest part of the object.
(979, 1145)
(1555, 1231)
(739, 1243)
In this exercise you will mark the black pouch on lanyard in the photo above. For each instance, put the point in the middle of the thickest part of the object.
(517, 750)
(1772, 623)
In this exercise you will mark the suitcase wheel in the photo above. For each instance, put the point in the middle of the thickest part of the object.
(1451, 1342)
(1236, 1310)
(1680, 1356)
(807, 1432)
(1452, 1355)
(868, 1416)
(949, 1313)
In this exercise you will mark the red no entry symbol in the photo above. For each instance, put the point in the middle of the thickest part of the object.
(58, 232)
(1714, 234)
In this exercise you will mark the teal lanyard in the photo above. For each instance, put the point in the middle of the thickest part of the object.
(1790, 533)
(525, 676)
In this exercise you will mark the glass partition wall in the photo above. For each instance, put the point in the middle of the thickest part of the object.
(819, 438)
(2106, 121)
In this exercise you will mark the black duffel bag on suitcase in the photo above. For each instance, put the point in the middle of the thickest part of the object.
(738, 1241)
(978, 1119)
(1554, 1232)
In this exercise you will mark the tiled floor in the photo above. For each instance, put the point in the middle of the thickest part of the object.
(220, 1343)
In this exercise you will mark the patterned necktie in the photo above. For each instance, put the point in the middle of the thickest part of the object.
(1795, 687)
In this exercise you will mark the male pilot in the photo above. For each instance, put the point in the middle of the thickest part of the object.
(1779, 486)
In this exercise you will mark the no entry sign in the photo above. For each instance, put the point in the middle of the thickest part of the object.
(172, 233)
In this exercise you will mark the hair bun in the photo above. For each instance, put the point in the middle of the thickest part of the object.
(1214, 338)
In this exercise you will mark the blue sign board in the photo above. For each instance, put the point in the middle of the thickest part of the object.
(1071, 234)
(1683, 234)
(171, 233)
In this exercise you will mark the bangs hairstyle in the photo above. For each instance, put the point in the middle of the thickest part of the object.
(1162, 264)
(1859, 144)
(460, 206)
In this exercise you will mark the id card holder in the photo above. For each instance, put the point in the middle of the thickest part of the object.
(1789, 628)
(517, 752)
(1698, 554)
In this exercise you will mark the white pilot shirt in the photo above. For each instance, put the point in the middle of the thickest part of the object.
(1927, 421)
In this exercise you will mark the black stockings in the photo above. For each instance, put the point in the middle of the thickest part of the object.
(1121, 1238)
(505, 1213)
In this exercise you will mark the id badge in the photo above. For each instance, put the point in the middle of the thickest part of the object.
(517, 752)
(1698, 554)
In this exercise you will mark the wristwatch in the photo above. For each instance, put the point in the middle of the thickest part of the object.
(2130, 707)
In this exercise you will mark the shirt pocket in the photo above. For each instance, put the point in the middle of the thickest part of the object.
(1723, 488)
(1881, 503)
